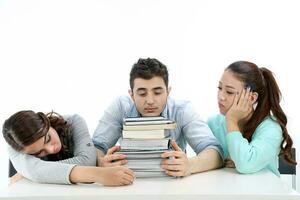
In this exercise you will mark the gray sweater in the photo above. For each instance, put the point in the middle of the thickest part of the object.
(58, 172)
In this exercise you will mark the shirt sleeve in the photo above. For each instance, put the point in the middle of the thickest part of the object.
(197, 132)
(109, 128)
(58, 172)
(38, 170)
(84, 150)
(256, 155)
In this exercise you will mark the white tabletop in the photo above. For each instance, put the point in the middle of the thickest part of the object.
(218, 184)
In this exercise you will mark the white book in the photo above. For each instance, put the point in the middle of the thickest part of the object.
(142, 156)
(145, 162)
(145, 134)
(132, 123)
(145, 144)
(131, 119)
(149, 127)
(150, 174)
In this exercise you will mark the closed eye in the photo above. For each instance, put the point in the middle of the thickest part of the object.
(48, 139)
(228, 92)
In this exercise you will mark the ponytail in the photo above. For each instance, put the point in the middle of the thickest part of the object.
(273, 97)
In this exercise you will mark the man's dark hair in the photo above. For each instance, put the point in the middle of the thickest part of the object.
(147, 69)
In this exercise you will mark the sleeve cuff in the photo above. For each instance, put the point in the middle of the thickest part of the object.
(67, 178)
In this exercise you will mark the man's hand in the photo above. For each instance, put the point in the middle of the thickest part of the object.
(111, 159)
(175, 162)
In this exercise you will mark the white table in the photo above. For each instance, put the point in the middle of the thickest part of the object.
(218, 184)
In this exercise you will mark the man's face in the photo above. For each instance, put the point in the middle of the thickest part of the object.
(149, 96)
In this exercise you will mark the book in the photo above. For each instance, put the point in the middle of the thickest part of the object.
(130, 121)
(146, 134)
(149, 163)
(141, 154)
(145, 144)
(150, 174)
(149, 127)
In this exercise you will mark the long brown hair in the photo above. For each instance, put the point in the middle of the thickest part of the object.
(262, 81)
(26, 127)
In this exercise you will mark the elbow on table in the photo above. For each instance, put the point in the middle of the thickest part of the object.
(246, 168)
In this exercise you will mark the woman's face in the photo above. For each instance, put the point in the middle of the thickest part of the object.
(50, 144)
(229, 86)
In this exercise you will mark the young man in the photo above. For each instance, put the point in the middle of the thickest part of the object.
(150, 97)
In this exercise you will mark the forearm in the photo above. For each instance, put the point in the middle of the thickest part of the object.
(84, 174)
(206, 160)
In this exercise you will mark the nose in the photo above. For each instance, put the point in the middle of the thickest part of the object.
(49, 148)
(149, 99)
(221, 96)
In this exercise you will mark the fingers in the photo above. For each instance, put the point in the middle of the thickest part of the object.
(126, 182)
(174, 173)
(171, 162)
(114, 157)
(175, 146)
(113, 150)
(129, 172)
(172, 167)
(176, 154)
(117, 163)
(236, 99)
(246, 98)
(127, 179)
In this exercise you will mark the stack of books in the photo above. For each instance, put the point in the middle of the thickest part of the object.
(144, 140)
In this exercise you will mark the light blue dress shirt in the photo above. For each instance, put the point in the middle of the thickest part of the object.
(190, 128)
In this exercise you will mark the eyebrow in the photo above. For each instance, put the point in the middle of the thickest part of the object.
(158, 88)
(141, 90)
(227, 86)
(231, 87)
(144, 89)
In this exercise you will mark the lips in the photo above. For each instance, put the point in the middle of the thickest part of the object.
(150, 109)
(221, 105)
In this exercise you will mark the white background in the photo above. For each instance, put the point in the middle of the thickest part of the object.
(75, 56)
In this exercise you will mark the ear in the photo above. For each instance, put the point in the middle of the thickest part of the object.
(130, 92)
(254, 97)
(169, 90)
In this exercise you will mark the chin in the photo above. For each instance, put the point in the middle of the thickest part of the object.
(223, 112)
(150, 114)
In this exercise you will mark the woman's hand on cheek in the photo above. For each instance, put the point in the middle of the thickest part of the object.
(240, 109)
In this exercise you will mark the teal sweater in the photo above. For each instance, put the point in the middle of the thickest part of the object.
(262, 152)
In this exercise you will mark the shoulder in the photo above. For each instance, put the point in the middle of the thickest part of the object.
(73, 119)
(269, 126)
(122, 103)
(215, 120)
(179, 106)
(216, 123)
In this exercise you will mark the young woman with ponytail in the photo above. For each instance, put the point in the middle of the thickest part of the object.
(252, 125)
